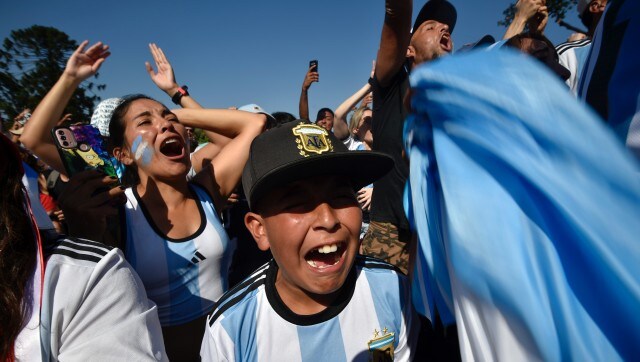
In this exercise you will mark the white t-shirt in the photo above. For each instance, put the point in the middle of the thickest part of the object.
(94, 307)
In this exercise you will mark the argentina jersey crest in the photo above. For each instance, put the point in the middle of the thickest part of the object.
(381, 346)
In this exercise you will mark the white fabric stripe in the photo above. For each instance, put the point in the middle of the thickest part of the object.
(569, 60)
(360, 314)
(269, 323)
(82, 252)
(105, 250)
(475, 318)
(217, 345)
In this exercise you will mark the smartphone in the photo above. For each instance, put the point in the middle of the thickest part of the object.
(82, 148)
(312, 63)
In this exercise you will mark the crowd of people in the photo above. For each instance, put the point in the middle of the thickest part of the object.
(481, 205)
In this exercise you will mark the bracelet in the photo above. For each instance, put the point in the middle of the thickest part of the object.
(182, 91)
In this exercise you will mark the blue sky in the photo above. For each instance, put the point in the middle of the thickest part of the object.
(232, 53)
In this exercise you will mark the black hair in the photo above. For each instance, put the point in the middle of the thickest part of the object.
(587, 18)
(542, 49)
(280, 118)
(18, 250)
(321, 113)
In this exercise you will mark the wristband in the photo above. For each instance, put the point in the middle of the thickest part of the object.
(182, 91)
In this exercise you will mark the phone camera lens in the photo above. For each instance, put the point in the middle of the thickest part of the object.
(60, 131)
(64, 138)
(65, 143)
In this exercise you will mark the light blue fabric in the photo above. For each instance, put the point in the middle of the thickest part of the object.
(526, 198)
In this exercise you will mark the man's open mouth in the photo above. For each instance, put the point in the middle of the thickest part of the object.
(445, 42)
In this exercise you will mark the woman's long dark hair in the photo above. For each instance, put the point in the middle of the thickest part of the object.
(17, 249)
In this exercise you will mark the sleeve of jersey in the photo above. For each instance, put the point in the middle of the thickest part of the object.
(216, 344)
(114, 318)
(411, 326)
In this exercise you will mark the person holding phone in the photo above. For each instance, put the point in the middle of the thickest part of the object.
(311, 77)
(174, 238)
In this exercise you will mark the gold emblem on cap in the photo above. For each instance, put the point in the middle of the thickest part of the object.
(312, 139)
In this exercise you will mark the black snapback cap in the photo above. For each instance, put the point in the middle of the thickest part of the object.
(441, 11)
(298, 150)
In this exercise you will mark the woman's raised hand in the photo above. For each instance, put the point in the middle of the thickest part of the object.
(164, 77)
(85, 63)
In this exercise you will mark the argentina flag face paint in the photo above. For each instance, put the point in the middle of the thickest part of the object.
(142, 152)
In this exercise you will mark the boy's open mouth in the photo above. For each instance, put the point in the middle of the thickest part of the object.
(325, 256)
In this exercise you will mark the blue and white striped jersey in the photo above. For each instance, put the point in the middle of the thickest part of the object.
(372, 315)
(184, 277)
(572, 55)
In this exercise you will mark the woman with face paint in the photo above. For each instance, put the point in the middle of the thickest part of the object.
(174, 238)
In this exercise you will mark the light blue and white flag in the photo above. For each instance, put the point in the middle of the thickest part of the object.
(527, 210)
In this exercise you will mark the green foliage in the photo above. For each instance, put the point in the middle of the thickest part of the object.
(31, 61)
(557, 10)
(201, 137)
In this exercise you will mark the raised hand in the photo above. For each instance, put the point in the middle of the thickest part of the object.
(164, 78)
(538, 22)
(84, 64)
(526, 9)
(310, 77)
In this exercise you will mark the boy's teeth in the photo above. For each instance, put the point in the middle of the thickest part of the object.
(328, 249)
(314, 265)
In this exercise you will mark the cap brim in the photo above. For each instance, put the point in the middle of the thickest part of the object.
(17, 132)
(360, 167)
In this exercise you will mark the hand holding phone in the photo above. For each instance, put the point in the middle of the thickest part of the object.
(82, 148)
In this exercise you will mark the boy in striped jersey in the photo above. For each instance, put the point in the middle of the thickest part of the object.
(317, 299)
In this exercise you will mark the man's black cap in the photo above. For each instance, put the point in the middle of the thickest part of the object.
(439, 10)
(299, 150)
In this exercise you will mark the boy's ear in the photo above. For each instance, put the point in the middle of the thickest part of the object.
(255, 225)
(123, 155)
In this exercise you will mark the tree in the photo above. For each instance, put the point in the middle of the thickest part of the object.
(557, 10)
(31, 61)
